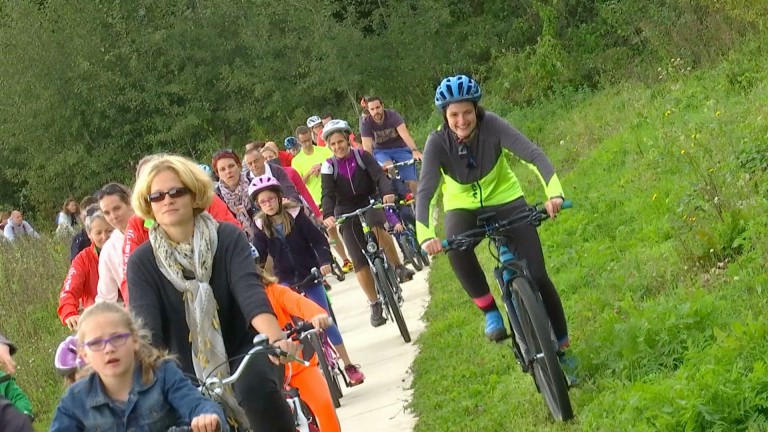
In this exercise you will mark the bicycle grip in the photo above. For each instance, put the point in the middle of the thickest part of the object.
(567, 204)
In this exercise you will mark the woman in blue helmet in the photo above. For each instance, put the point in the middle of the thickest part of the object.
(468, 151)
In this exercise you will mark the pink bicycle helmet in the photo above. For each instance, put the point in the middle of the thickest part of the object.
(263, 183)
(67, 360)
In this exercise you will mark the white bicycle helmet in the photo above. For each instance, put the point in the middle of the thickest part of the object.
(335, 126)
(313, 121)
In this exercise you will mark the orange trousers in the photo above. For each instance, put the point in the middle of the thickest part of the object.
(314, 391)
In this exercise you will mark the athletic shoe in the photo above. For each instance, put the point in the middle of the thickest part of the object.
(377, 314)
(354, 375)
(347, 266)
(404, 274)
(569, 364)
(494, 326)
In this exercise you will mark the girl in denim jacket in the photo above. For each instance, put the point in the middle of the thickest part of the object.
(134, 386)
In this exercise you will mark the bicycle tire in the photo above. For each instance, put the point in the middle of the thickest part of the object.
(314, 341)
(547, 372)
(390, 298)
(409, 253)
(336, 269)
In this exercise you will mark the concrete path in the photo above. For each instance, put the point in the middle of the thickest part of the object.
(379, 404)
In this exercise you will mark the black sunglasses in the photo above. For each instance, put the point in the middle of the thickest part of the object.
(111, 189)
(178, 192)
(465, 155)
(223, 152)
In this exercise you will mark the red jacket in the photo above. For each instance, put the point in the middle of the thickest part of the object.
(80, 285)
(137, 232)
(295, 178)
(285, 158)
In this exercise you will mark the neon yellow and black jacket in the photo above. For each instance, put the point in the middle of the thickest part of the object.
(491, 182)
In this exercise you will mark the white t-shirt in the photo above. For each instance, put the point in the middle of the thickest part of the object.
(110, 268)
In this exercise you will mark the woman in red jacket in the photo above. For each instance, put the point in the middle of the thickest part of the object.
(79, 288)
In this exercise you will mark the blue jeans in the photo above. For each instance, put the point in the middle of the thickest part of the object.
(400, 154)
(316, 293)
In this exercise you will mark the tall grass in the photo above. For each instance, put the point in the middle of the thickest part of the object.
(661, 264)
(31, 274)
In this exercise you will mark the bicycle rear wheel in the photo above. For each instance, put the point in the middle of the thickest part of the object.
(322, 361)
(384, 279)
(546, 369)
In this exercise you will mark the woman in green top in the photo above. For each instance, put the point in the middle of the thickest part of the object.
(468, 151)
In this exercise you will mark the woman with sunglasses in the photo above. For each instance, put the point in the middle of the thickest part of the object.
(196, 288)
(232, 187)
(115, 203)
(468, 151)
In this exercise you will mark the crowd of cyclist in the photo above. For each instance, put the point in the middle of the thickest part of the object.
(177, 250)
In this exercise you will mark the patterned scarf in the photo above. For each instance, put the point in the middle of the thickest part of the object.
(177, 259)
(240, 204)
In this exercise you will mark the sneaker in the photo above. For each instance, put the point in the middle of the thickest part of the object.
(347, 266)
(404, 274)
(569, 364)
(354, 375)
(377, 314)
(494, 326)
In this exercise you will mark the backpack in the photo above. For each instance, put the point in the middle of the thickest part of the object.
(358, 158)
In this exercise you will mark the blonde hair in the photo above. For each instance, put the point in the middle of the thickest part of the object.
(147, 356)
(190, 175)
(281, 217)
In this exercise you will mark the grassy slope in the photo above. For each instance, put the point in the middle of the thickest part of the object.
(661, 265)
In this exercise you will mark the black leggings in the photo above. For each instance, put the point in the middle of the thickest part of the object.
(260, 394)
(524, 241)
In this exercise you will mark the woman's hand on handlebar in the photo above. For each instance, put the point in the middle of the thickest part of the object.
(553, 206)
(291, 348)
(388, 199)
(433, 246)
(205, 423)
(322, 321)
(325, 269)
(329, 222)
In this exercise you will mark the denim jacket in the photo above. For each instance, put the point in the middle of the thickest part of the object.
(170, 400)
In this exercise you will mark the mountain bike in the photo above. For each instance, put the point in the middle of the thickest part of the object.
(534, 343)
(387, 285)
(327, 357)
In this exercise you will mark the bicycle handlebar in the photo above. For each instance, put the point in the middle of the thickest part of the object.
(373, 205)
(314, 277)
(533, 214)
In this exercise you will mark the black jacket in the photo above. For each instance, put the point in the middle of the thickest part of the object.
(344, 194)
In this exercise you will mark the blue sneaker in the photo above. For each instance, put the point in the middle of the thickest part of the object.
(569, 364)
(494, 326)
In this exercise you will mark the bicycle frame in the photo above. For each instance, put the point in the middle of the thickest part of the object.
(372, 250)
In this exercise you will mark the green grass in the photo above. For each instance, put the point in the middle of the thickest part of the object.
(661, 265)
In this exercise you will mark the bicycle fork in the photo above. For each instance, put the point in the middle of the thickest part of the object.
(504, 273)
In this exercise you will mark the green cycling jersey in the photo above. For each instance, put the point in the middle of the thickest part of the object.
(475, 171)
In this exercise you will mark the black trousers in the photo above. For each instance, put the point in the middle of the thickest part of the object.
(523, 240)
(260, 394)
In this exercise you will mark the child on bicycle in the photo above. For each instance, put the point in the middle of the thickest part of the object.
(310, 382)
(133, 386)
(403, 198)
(296, 245)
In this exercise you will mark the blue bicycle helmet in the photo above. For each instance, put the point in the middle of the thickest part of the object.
(457, 88)
(290, 142)
(206, 169)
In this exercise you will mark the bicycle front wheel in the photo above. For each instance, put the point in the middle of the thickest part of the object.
(546, 369)
(409, 253)
(322, 361)
(383, 279)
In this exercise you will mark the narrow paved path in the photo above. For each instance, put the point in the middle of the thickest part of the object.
(379, 404)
